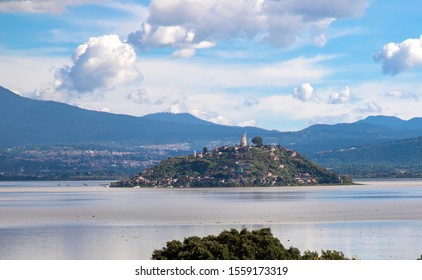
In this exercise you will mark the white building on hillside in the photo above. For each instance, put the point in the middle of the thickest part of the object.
(243, 141)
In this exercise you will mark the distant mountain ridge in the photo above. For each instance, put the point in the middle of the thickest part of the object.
(397, 158)
(350, 148)
(383, 120)
(24, 121)
(178, 118)
(372, 130)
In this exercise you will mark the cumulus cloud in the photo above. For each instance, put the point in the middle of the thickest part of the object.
(340, 97)
(400, 57)
(250, 101)
(247, 123)
(175, 36)
(40, 6)
(304, 92)
(49, 92)
(184, 53)
(194, 24)
(182, 105)
(370, 108)
(402, 95)
(139, 96)
(179, 105)
(212, 116)
(101, 63)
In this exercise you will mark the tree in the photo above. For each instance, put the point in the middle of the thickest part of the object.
(237, 245)
(258, 141)
(205, 150)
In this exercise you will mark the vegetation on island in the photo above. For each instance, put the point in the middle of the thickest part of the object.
(238, 245)
(233, 166)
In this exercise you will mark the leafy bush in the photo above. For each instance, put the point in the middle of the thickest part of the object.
(238, 245)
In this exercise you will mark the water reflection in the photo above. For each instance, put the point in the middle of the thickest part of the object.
(83, 220)
(382, 240)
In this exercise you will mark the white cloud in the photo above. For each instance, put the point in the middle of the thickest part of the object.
(333, 119)
(402, 95)
(228, 90)
(304, 92)
(168, 36)
(292, 21)
(400, 57)
(211, 116)
(139, 96)
(195, 24)
(179, 105)
(105, 110)
(370, 108)
(101, 63)
(285, 112)
(184, 53)
(247, 123)
(41, 6)
(340, 97)
(250, 101)
(324, 8)
(35, 68)
(218, 19)
(197, 75)
(183, 105)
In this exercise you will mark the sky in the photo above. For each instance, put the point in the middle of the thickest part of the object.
(274, 64)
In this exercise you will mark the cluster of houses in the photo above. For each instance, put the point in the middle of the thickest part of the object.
(232, 166)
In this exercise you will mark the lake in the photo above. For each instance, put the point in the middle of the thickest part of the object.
(87, 220)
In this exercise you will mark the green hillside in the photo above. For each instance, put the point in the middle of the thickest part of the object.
(392, 159)
(230, 166)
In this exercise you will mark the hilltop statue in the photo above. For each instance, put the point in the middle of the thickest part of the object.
(243, 141)
(234, 166)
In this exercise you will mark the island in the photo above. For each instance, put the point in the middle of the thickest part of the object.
(235, 166)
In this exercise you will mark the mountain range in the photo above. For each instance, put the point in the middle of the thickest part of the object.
(376, 141)
(24, 121)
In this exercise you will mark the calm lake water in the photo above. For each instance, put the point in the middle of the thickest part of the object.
(86, 220)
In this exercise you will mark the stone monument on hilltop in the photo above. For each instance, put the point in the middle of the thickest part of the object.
(243, 141)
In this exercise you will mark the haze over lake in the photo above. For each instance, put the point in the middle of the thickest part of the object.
(86, 220)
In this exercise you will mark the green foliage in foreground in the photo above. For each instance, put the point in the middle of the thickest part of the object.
(238, 245)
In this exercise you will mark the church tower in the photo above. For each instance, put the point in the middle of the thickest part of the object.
(243, 141)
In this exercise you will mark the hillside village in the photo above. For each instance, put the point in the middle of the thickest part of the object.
(233, 166)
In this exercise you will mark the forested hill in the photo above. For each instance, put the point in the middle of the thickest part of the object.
(392, 159)
(230, 166)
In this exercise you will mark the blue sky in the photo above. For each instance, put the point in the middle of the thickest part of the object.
(276, 64)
